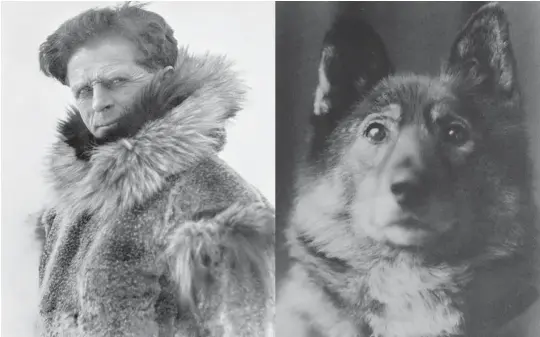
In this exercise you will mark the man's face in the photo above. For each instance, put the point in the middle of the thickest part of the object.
(104, 78)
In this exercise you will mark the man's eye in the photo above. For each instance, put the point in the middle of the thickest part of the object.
(118, 80)
(84, 92)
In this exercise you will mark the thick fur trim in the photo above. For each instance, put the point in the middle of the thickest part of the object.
(171, 127)
(238, 240)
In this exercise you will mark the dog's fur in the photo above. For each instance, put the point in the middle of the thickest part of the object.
(154, 212)
(448, 151)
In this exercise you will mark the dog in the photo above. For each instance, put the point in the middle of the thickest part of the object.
(414, 214)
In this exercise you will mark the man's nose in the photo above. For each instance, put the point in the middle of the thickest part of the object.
(102, 99)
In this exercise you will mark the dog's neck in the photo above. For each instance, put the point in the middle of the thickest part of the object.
(397, 292)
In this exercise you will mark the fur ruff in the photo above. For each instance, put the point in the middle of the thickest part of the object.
(179, 117)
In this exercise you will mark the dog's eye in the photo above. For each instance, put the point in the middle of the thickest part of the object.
(456, 134)
(376, 132)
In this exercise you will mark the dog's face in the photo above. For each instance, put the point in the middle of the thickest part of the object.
(412, 142)
(423, 162)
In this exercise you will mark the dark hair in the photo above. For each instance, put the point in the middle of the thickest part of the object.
(147, 30)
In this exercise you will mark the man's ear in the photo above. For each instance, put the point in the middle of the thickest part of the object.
(353, 59)
(483, 55)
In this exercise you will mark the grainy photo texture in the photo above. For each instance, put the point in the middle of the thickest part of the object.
(146, 228)
(413, 212)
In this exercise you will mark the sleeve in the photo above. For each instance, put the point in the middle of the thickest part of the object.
(222, 265)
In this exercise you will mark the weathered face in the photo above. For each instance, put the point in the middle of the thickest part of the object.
(104, 78)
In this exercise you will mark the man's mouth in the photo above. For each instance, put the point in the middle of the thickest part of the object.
(107, 125)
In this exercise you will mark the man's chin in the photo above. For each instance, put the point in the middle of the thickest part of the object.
(105, 134)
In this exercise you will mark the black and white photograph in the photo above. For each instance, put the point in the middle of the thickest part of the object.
(270, 168)
(138, 169)
(405, 169)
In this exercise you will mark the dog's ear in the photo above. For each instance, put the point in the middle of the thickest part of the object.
(482, 53)
(353, 59)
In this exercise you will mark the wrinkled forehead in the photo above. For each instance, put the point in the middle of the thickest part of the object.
(102, 58)
(102, 72)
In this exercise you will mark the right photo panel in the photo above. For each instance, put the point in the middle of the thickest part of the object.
(407, 169)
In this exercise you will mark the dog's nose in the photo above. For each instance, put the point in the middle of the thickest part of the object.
(407, 167)
(407, 189)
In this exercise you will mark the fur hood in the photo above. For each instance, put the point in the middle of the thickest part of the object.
(175, 122)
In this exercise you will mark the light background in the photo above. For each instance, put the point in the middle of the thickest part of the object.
(31, 105)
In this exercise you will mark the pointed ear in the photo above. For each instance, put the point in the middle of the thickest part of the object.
(482, 53)
(353, 59)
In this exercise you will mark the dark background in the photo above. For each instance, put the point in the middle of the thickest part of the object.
(418, 36)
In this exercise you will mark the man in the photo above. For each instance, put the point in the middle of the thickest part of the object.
(149, 233)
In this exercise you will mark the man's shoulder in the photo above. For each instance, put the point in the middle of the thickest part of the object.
(214, 181)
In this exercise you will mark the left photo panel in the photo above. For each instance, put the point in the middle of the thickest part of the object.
(138, 169)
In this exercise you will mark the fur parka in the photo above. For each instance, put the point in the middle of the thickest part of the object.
(151, 234)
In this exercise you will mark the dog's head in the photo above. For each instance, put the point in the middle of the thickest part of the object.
(423, 162)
